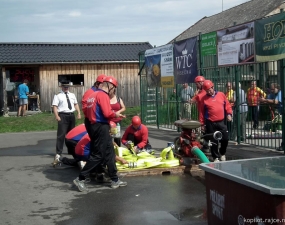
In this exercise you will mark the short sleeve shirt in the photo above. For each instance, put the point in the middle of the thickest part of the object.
(23, 90)
(60, 101)
(187, 94)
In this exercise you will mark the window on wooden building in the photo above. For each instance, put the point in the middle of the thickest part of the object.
(75, 79)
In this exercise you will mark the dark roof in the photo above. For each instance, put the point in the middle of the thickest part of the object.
(30, 53)
(246, 12)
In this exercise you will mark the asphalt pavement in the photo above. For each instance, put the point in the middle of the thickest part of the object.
(33, 192)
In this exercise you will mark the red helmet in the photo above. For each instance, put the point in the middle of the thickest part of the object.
(199, 79)
(111, 80)
(136, 121)
(207, 85)
(101, 78)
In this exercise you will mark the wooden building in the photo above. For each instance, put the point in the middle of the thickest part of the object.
(46, 64)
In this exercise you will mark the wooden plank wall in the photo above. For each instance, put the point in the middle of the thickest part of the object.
(126, 74)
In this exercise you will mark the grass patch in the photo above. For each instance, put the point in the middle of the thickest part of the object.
(46, 121)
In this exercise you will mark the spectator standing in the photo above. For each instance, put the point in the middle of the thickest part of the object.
(117, 105)
(214, 105)
(138, 134)
(243, 108)
(253, 99)
(230, 96)
(23, 92)
(64, 104)
(186, 94)
(99, 113)
(275, 99)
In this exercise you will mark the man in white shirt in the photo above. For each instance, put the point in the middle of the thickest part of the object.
(64, 104)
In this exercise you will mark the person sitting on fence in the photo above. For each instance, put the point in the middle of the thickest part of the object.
(137, 133)
(275, 100)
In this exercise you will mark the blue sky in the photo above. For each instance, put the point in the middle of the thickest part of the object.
(155, 21)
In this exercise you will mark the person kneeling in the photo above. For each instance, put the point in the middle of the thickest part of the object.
(137, 133)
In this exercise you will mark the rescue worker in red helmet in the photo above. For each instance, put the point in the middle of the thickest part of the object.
(199, 94)
(80, 146)
(214, 108)
(199, 80)
(97, 84)
(99, 113)
(138, 134)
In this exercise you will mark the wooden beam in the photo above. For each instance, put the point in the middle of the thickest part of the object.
(5, 108)
(178, 170)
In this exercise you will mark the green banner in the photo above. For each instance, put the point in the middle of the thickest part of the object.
(208, 44)
(270, 38)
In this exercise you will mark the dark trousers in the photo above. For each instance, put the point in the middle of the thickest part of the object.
(254, 115)
(70, 145)
(117, 141)
(102, 151)
(69, 162)
(211, 127)
(66, 123)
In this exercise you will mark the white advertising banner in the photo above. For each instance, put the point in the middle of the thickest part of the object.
(236, 45)
(159, 66)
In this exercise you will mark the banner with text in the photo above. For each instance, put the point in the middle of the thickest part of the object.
(159, 66)
(270, 38)
(236, 45)
(185, 55)
(208, 44)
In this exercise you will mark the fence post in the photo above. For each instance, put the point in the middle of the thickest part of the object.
(282, 81)
(237, 104)
(200, 53)
(156, 105)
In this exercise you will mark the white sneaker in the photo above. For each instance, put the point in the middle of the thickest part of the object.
(80, 184)
(56, 161)
(119, 183)
(223, 158)
(81, 164)
(216, 160)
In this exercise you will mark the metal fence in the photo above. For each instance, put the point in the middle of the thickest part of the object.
(161, 106)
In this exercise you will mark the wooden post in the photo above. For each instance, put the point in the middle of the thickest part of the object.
(5, 108)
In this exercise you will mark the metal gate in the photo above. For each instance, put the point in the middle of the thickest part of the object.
(161, 106)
